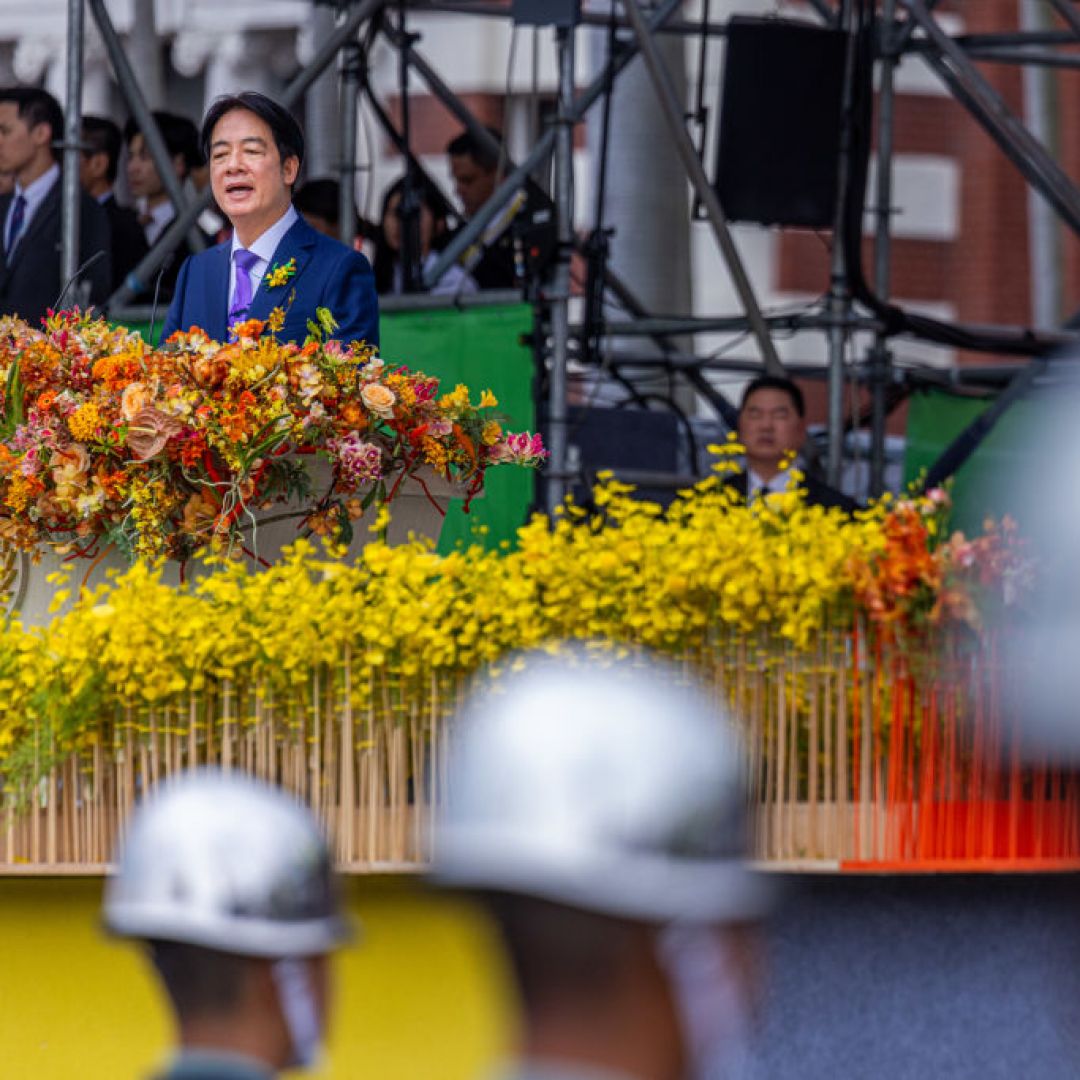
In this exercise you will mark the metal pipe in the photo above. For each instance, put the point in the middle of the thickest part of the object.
(292, 93)
(1039, 114)
(959, 73)
(144, 118)
(659, 326)
(345, 33)
(475, 226)
(556, 485)
(673, 115)
(839, 300)
(904, 35)
(1068, 13)
(880, 356)
(69, 207)
(350, 91)
(497, 10)
(404, 42)
(1034, 57)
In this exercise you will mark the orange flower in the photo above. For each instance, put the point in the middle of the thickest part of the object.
(379, 399)
(134, 398)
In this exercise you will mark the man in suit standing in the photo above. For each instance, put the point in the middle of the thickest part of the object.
(31, 122)
(155, 208)
(477, 173)
(97, 174)
(274, 259)
(772, 430)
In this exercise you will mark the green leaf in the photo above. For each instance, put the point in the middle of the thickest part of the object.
(14, 395)
(345, 527)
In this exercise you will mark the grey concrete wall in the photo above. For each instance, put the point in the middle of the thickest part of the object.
(924, 978)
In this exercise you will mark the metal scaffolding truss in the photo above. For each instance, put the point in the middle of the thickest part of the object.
(880, 34)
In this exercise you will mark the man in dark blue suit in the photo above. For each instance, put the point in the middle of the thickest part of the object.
(31, 122)
(772, 430)
(275, 259)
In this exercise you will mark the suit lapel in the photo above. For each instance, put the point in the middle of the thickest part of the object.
(49, 207)
(298, 243)
(5, 203)
(216, 291)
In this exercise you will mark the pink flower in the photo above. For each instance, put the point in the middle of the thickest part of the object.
(519, 449)
(358, 462)
(149, 431)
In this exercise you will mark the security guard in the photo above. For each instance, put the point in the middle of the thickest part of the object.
(598, 811)
(230, 885)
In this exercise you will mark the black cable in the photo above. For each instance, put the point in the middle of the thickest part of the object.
(409, 210)
(597, 245)
(1022, 342)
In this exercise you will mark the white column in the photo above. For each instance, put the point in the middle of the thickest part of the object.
(322, 129)
(647, 201)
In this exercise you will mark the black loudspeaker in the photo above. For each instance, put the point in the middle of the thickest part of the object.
(627, 438)
(778, 153)
(546, 12)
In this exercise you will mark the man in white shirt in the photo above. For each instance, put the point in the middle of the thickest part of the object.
(31, 123)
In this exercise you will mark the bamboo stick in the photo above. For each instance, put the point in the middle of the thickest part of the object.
(347, 796)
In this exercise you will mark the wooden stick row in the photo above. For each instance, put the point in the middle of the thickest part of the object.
(861, 755)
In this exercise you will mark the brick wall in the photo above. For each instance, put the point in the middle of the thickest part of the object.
(983, 272)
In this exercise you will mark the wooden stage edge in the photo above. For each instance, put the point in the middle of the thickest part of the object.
(821, 867)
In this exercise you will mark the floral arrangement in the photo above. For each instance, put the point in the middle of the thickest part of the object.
(915, 577)
(164, 452)
(834, 638)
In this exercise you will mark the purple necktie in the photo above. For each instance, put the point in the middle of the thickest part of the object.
(241, 300)
(18, 216)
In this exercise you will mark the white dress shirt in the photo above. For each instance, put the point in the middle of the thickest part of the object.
(263, 248)
(160, 216)
(780, 482)
(34, 194)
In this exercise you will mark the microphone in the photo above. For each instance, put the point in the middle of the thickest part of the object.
(157, 293)
(75, 277)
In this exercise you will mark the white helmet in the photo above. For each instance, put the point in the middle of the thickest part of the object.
(1040, 638)
(227, 863)
(605, 786)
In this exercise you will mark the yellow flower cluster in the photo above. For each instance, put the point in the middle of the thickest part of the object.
(407, 621)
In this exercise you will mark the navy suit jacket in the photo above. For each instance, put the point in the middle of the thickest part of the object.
(30, 281)
(328, 274)
(818, 493)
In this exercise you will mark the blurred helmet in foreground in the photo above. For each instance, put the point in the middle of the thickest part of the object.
(1042, 646)
(226, 863)
(600, 785)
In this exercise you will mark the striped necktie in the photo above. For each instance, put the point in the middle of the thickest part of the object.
(18, 217)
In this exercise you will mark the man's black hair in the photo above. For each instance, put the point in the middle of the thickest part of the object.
(180, 135)
(557, 952)
(37, 107)
(467, 145)
(321, 197)
(385, 259)
(200, 981)
(282, 124)
(102, 136)
(776, 382)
